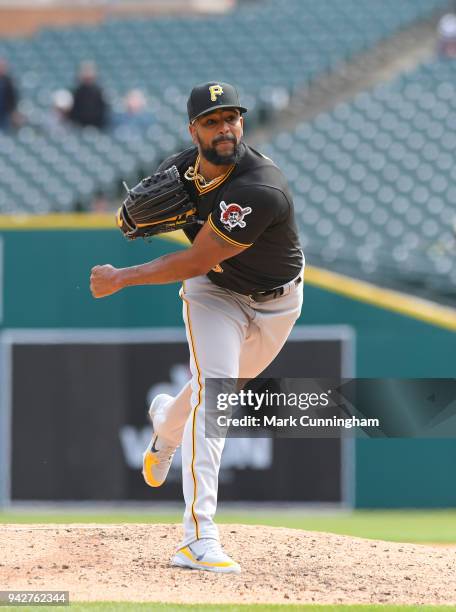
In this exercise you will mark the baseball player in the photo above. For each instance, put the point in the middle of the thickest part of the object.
(242, 282)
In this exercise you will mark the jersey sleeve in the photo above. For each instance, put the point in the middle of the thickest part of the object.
(246, 213)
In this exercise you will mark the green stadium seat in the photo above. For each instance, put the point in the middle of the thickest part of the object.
(376, 181)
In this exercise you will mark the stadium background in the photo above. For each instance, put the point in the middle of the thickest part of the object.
(358, 108)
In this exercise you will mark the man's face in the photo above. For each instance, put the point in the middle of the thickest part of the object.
(218, 135)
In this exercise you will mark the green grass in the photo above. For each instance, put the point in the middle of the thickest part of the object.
(245, 608)
(132, 607)
(437, 526)
(153, 607)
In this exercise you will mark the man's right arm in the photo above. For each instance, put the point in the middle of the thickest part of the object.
(207, 251)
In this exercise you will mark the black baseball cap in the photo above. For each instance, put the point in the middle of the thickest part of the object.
(211, 96)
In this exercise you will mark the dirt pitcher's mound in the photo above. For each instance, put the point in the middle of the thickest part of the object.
(131, 563)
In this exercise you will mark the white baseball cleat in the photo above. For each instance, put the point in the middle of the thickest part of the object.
(159, 454)
(206, 554)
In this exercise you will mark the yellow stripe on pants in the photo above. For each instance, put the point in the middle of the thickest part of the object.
(195, 410)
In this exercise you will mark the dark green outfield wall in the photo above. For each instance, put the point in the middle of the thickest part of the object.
(395, 473)
(47, 281)
(388, 344)
(46, 276)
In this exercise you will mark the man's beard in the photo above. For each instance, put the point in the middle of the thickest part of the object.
(212, 156)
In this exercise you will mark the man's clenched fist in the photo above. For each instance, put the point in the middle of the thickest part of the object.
(104, 280)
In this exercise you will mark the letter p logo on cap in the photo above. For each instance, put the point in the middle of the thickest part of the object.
(215, 90)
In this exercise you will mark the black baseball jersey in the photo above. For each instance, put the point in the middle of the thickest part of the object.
(251, 206)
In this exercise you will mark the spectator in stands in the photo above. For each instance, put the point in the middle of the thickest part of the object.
(89, 105)
(9, 116)
(447, 36)
(135, 117)
(62, 103)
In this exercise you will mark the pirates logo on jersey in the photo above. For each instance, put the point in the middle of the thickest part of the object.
(233, 215)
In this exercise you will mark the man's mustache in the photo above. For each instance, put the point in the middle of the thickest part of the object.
(224, 139)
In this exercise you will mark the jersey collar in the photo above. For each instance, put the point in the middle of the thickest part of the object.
(203, 187)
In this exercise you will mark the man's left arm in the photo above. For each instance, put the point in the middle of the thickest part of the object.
(207, 251)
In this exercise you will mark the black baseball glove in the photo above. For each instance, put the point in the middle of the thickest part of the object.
(158, 204)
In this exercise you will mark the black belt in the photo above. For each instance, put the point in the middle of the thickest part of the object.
(272, 294)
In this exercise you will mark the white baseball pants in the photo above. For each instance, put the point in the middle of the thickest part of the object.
(229, 336)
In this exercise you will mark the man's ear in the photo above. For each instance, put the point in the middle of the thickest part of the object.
(192, 131)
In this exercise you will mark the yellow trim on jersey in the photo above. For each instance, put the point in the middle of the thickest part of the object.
(222, 235)
(195, 410)
(202, 189)
(188, 553)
